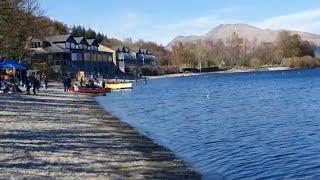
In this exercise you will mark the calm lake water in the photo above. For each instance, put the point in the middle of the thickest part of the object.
(232, 126)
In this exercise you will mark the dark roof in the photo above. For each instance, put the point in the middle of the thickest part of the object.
(59, 47)
(58, 38)
(54, 48)
(37, 39)
(144, 51)
(126, 49)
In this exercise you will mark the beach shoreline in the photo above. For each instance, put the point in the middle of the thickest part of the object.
(230, 71)
(57, 135)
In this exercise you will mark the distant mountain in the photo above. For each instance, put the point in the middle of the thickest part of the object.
(224, 31)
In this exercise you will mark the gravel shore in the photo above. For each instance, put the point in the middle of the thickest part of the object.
(56, 135)
(230, 71)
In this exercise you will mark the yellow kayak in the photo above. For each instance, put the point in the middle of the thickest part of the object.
(119, 85)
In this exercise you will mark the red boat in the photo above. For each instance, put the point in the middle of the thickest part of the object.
(86, 90)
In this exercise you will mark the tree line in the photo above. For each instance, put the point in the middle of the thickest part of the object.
(239, 52)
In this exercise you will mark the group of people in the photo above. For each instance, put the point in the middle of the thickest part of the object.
(8, 87)
(81, 82)
(67, 85)
(36, 80)
(95, 83)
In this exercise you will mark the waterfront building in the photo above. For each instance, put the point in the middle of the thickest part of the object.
(68, 55)
(126, 58)
(145, 57)
(107, 49)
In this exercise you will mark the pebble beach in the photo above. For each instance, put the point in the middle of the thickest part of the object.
(58, 135)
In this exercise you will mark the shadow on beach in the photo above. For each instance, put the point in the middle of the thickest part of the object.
(57, 135)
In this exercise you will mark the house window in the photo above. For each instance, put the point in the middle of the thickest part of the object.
(35, 44)
(74, 57)
(93, 57)
(46, 44)
(109, 58)
(73, 45)
(68, 45)
(50, 57)
(89, 48)
(87, 57)
(85, 47)
(79, 57)
(80, 46)
(104, 58)
(100, 57)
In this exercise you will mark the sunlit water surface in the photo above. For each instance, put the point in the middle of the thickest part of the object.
(231, 126)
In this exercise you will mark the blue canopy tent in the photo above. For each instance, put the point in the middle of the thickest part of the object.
(12, 64)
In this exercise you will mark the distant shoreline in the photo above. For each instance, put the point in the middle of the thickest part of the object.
(230, 71)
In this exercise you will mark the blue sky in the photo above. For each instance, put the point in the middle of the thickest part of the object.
(162, 20)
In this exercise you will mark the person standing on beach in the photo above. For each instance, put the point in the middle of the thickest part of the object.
(68, 84)
(103, 83)
(76, 89)
(38, 85)
(27, 84)
(38, 81)
(0, 82)
(81, 81)
(45, 80)
(64, 82)
(34, 84)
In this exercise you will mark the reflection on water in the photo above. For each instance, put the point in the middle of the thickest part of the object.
(250, 125)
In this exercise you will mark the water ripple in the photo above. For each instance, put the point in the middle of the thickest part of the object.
(234, 126)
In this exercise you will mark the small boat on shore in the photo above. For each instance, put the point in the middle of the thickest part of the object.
(119, 85)
(86, 90)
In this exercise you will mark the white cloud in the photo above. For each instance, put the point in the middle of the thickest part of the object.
(133, 21)
(302, 21)
(200, 25)
(132, 15)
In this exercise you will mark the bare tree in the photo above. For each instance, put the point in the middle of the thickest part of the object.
(19, 23)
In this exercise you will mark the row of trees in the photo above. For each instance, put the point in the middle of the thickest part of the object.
(237, 51)
(88, 33)
(92, 34)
